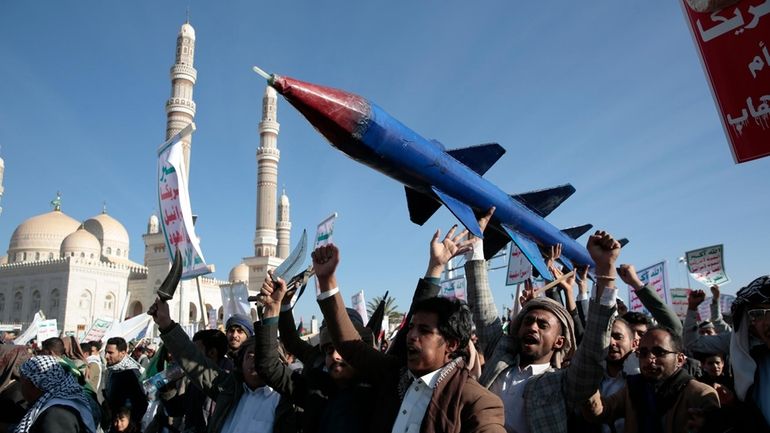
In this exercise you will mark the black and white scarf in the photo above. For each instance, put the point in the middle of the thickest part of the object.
(48, 376)
(127, 363)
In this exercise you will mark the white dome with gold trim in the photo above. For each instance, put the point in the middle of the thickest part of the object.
(81, 244)
(40, 237)
(111, 234)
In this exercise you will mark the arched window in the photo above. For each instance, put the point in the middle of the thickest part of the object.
(35, 306)
(24, 256)
(221, 314)
(18, 301)
(85, 302)
(50, 256)
(37, 256)
(136, 309)
(109, 250)
(118, 252)
(253, 314)
(83, 255)
(53, 304)
(2, 303)
(109, 301)
(193, 316)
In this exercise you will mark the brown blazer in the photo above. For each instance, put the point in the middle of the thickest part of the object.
(458, 405)
(695, 395)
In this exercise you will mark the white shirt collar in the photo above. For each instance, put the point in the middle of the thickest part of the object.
(428, 379)
(262, 390)
(536, 369)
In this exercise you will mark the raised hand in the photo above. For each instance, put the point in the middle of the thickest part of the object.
(582, 281)
(159, 312)
(553, 254)
(714, 293)
(604, 250)
(325, 261)
(441, 251)
(528, 293)
(484, 220)
(694, 298)
(272, 294)
(628, 275)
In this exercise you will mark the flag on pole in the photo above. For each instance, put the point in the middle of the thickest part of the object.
(359, 304)
(301, 327)
(176, 218)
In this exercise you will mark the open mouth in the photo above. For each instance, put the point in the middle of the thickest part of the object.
(530, 339)
(412, 351)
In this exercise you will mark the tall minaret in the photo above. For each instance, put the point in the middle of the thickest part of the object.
(284, 227)
(2, 172)
(180, 107)
(265, 239)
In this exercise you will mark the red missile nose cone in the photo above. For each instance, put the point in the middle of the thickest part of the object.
(336, 114)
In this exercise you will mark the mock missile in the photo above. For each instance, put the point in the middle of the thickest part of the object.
(433, 176)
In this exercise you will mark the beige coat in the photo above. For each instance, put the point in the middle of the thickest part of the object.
(695, 395)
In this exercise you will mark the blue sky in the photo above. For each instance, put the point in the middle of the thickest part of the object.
(608, 96)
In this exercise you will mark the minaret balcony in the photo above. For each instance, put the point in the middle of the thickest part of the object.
(269, 126)
(180, 104)
(183, 72)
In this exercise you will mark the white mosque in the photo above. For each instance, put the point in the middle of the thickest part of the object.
(77, 271)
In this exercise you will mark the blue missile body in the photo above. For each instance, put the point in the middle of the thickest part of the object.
(432, 175)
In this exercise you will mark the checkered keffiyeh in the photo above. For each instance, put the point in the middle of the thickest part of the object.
(757, 292)
(48, 376)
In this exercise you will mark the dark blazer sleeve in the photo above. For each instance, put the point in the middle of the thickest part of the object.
(374, 366)
(270, 368)
(59, 419)
(304, 351)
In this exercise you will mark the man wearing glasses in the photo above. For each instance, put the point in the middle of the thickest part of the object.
(661, 398)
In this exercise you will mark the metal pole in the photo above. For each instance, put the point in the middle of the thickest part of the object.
(204, 313)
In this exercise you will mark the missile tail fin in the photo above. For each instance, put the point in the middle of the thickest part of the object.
(544, 201)
(530, 250)
(623, 242)
(421, 206)
(577, 231)
(462, 211)
(479, 158)
(495, 239)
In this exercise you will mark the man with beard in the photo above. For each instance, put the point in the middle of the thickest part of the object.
(433, 391)
(122, 383)
(524, 367)
(243, 403)
(663, 397)
(237, 329)
(334, 398)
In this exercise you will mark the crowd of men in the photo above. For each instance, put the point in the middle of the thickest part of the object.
(564, 362)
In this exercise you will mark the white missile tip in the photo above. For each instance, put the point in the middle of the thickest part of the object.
(262, 73)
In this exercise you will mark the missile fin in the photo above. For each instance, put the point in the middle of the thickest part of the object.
(567, 263)
(623, 242)
(495, 239)
(544, 201)
(531, 252)
(577, 231)
(421, 206)
(479, 158)
(462, 211)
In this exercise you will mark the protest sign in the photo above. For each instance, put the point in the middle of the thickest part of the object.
(97, 331)
(679, 301)
(656, 277)
(46, 329)
(323, 234)
(235, 300)
(454, 288)
(131, 329)
(707, 266)
(734, 47)
(31, 331)
(519, 268)
(359, 304)
(176, 218)
(725, 304)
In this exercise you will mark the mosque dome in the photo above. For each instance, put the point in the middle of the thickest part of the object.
(239, 273)
(40, 237)
(110, 233)
(81, 243)
(284, 199)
